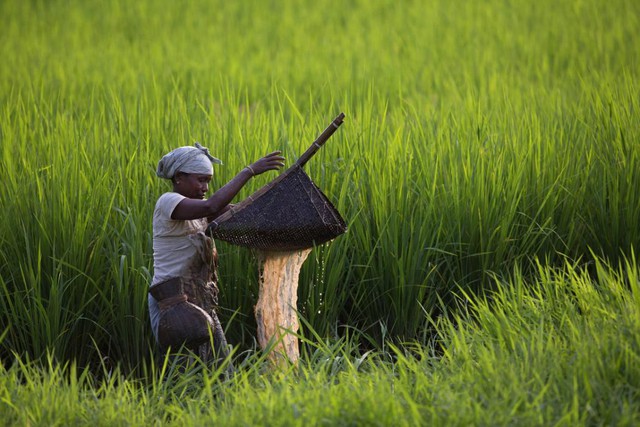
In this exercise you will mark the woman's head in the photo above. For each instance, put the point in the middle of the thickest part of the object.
(189, 168)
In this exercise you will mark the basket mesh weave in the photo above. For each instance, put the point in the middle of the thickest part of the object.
(289, 213)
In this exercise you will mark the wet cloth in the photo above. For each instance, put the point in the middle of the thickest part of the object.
(173, 248)
(182, 250)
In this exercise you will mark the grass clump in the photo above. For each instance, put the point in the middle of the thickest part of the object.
(560, 349)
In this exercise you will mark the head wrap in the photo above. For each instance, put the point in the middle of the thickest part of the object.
(188, 160)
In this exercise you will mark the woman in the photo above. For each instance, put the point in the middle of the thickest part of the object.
(183, 294)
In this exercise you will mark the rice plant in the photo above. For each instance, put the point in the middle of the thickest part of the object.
(560, 347)
(479, 137)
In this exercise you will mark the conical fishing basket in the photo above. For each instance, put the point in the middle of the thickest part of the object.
(289, 213)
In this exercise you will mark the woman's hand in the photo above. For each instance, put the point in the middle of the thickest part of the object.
(272, 161)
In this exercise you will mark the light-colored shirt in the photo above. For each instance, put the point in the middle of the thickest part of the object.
(175, 242)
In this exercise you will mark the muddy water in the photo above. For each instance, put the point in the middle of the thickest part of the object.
(277, 303)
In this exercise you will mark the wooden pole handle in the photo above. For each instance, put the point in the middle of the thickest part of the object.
(324, 136)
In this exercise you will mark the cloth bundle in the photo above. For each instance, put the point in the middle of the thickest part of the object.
(181, 321)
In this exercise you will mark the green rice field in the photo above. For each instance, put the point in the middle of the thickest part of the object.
(488, 169)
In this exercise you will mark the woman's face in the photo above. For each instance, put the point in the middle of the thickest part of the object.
(192, 185)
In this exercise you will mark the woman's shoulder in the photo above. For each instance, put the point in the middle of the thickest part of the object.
(170, 197)
(168, 201)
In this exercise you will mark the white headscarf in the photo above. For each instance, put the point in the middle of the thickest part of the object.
(188, 160)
